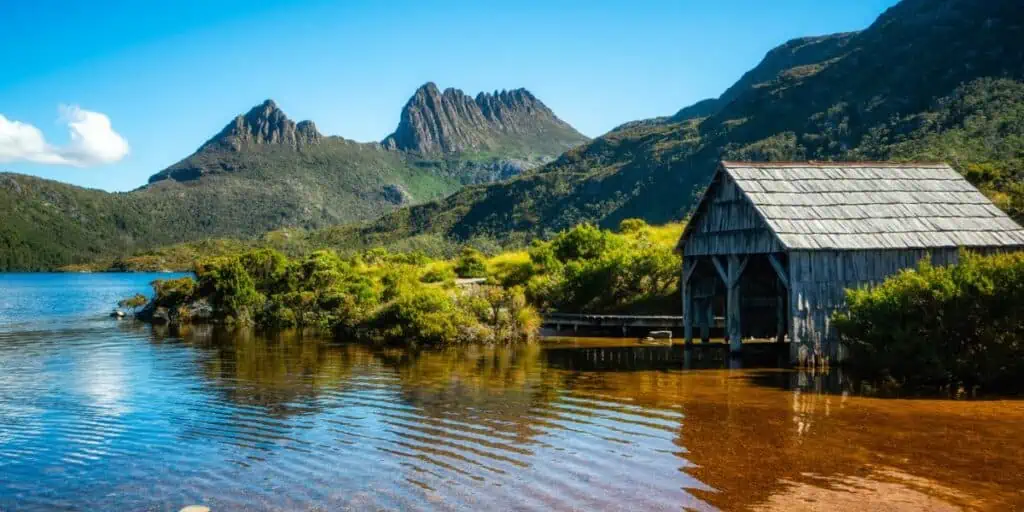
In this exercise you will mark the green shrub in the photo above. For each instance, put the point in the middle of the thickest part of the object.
(230, 289)
(134, 302)
(438, 274)
(957, 326)
(173, 292)
(471, 263)
(590, 270)
(422, 314)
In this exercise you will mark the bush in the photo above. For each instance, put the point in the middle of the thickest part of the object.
(173, 292)
(589, 270)
(133, 303)
(471, 264)
(438, 274)
(422, 314)
(957, 326)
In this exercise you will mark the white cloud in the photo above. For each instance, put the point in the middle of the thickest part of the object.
(92, 141)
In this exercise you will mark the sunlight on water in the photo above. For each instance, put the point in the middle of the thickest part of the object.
(117, 416)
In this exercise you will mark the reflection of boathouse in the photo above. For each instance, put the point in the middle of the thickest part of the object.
(773, 246)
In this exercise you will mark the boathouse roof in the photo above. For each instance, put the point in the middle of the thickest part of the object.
(870, 205)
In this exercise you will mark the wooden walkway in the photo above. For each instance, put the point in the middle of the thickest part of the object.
(621, 322)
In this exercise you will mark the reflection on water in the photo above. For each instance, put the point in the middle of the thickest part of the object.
(123, 417)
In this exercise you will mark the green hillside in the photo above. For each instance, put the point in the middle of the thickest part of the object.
(930, 79)
(262, 172)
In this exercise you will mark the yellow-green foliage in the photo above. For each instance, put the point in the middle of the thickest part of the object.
(587, 269)
(438, 272)
(375, 294)
(471, 263)
(510, 268)
(134, 302)
(961, 325)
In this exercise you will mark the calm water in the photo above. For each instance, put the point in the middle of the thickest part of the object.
(97, 414)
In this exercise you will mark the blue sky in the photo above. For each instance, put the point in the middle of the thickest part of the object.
(168, 75)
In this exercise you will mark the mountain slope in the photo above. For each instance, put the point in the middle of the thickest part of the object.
(262, 172)
(935, 79)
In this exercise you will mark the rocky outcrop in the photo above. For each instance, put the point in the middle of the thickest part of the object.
(396, 195)
(265, 124)
(433, 121)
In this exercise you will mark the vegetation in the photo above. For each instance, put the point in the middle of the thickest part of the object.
(412, 298)
(944, 81)
(817, 98)
(960, 326)
(374, 295)
(134, 302)
(471, 264)
(587, 269)
(224, 192)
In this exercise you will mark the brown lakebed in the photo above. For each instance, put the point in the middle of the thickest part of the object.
(115, 416)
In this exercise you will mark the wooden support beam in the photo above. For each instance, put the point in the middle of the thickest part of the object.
(739, 271)
(781, 272)
(732, 315)
(721, 270)
(780, 314)
(687, 313)
(706, 319)
(688, 267)
(684, 288)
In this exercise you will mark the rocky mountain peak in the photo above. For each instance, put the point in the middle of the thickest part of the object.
(450, 121)
(264, 124)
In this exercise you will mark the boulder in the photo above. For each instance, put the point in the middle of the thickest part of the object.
(160, 316)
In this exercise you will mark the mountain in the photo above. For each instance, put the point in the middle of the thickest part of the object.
(264, 171)
(929, 79)
(435, 122)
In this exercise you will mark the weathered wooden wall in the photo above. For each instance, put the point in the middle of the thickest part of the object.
(818, 281)
(728, 223)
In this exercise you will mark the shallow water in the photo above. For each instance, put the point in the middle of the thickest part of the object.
(104, 415)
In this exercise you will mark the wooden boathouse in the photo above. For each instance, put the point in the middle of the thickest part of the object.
(774, 246)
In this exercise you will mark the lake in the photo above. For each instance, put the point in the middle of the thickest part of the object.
(101, 414)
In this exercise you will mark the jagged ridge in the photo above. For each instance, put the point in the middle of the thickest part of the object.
(264, 124)
(452, 121)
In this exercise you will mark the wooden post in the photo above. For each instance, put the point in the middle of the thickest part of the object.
(780, 314)
(706, 319)
(687, 314)
(781, 311)
(688, 266)
(732, 299)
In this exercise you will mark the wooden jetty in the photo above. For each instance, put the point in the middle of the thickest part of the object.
(616, 323)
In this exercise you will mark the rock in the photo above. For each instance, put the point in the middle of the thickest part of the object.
(265, 124)
(200, 311)
(396, 194)
(117, 314)
(160, 316)
(8, 182)
(452, 121)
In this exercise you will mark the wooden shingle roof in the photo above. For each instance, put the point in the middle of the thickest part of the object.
(842, 206)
